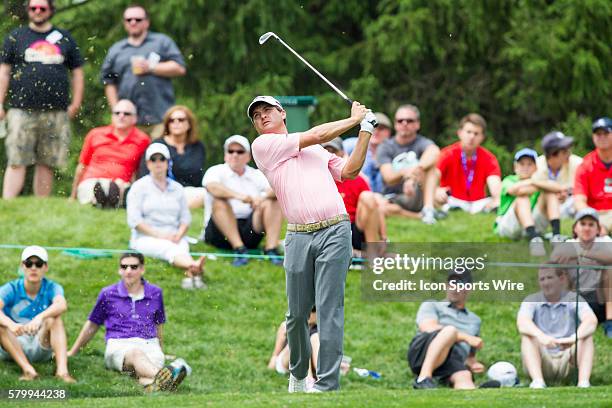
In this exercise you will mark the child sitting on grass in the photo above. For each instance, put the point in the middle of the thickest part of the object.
(526, 206)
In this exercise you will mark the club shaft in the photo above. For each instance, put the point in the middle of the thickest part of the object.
(334, 87)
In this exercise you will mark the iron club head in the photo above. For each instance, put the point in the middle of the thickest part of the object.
(265, 37)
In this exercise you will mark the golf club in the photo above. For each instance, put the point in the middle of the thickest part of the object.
(265, 37)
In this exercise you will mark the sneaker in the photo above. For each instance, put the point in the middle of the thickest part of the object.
(490, 384)
(440, 214)
(178, 375)
(584, 384)
(199, 283)
(425, 384)
(239, 260)
(187, 283)
(113, 195)
(428, 216)
(101, 199)
(537, 384)
(163, 380)
(607, 327)
(536, 247)
(276, 258)
(179, 362)
(296, 385)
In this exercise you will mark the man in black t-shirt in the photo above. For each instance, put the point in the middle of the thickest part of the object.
(34, 65)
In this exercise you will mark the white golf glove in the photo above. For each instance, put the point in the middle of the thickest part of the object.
(368, 123)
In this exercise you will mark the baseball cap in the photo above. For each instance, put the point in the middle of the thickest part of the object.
(35, 250)
(526, 152)
(383, 119)
(157, 148)
(556, 140)
(586, 212)
(463, 276)
(602, 123)
(262, 99)
(241, 140)
(335, 144)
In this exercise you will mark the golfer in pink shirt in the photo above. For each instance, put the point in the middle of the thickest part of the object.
(318, 241)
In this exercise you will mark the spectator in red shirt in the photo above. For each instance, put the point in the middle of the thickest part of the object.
(593, 182)
(109, 159)
(365, 208)
(466, 169)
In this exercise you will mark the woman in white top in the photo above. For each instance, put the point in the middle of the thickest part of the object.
(159, 217)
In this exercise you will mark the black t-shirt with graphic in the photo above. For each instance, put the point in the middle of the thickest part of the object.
(39, 68)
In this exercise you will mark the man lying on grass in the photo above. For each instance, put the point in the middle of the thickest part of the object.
(31, 327)
(447, 340)
(132, 312)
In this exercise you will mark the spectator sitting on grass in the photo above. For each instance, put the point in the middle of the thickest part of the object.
(408, 167)
(132, 312)
(466, 169)
(158, 215)
(31, 327)
(366, 209)
(593, 182)
(186, 151)
(557, 170)
(547, 324)
(109, 158)
(240, 205)
(524, 210)
(447, 340)
(588, 248)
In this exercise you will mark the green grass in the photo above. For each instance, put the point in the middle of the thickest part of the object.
(226, 333)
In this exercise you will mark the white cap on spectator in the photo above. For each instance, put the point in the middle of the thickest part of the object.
(241, 140)
(35, 250)
(157, 148)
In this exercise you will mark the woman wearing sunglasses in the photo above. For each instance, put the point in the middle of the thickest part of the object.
(186, 152)
(159, 217)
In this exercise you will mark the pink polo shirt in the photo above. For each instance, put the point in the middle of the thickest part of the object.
(303, 180)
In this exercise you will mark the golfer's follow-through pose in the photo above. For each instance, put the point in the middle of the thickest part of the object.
(318, 241)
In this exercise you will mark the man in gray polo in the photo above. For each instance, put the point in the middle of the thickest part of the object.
(447, 340)
(547, 324)
(318, 242)
(140, 68)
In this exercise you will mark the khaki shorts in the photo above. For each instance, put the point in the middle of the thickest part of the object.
(556, 367)
(32, 348)
(37, 138)
(116, 350)
(85, 189)
(605, 219)
(509, 226)
(153, 131)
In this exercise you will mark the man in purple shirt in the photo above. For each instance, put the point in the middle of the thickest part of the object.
(132, 311)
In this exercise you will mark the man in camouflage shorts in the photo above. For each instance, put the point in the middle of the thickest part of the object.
(34, 64)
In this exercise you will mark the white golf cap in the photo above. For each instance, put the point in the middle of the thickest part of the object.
(262, 99)
(35, 250)
(157, 148)
(241, 140)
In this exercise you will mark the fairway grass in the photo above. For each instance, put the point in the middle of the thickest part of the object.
(226, 333)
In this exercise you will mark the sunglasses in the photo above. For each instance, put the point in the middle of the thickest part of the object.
(407, 121)
(124, 113)
(134, 19)
(157, 158)
(39, 264)
(129, 266)
(34, 9)
(236, 152)
(178, 120)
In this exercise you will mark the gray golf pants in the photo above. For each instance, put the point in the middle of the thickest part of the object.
(316, 265)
